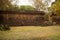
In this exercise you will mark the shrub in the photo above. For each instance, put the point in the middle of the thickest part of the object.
(4, 27)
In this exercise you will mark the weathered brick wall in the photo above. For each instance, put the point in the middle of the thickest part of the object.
(25, 19)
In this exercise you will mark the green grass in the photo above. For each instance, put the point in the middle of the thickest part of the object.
(31, 33)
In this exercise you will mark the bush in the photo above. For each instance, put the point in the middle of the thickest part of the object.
(4, 27)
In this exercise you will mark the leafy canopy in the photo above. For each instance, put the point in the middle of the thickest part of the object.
(56, 7)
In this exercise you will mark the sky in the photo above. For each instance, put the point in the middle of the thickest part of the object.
(51, 2)
(26, 2)
(22, 2)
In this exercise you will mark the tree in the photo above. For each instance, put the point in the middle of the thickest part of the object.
(41, 4)
(55, 7)
(4, 4)
(7, 5)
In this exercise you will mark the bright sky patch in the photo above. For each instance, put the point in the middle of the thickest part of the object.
(25, 2)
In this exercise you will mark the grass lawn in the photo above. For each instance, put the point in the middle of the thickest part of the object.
(31, 33)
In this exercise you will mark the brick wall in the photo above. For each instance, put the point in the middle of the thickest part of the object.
(23, 19)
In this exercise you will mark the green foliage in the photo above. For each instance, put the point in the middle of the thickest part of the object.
(56, 7)
(23, 7)
(4, 27)
(4, 4)
(7, 5)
